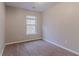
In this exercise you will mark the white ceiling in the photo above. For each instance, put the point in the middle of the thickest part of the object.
(32, 6)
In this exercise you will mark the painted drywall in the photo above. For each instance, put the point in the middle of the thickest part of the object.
(16, 27)
(61, 25)
(2, 27)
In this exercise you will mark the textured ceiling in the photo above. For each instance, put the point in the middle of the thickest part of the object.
(32, 6)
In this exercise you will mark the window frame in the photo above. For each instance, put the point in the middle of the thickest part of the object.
(31, 25)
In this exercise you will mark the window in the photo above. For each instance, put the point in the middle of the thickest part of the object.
(31, 24)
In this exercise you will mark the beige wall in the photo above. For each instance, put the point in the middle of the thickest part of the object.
(15, 25)
(61, 25)
(2, 25)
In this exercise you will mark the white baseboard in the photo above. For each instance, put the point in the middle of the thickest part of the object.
(63, 47)
(1, 53)
(3, 49)
(20, 41)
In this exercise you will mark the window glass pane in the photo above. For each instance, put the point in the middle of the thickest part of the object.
(28, 21)
(31, 24)
(31, 21)
(31, 29)
(31, 17)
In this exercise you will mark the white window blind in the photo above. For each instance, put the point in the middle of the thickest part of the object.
(31, 22)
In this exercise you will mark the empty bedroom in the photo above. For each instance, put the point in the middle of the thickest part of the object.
(39, 28)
